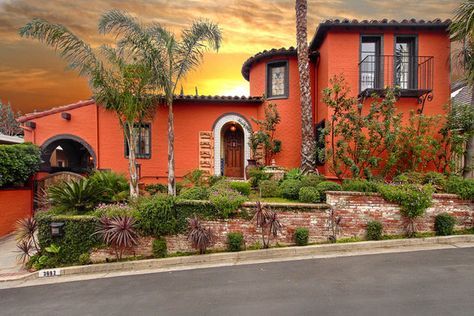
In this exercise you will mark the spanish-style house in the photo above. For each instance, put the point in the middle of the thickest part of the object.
(211, 132)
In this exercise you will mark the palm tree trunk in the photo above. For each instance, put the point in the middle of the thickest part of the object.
(132, 163)
(469, 153)
(171, 175)
(308, 143)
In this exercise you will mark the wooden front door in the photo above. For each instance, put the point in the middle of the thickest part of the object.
(234, 153)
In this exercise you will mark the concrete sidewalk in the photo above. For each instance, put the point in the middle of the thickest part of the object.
(105, 270)
(9, 265)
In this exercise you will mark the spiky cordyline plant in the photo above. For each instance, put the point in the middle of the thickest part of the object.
(27, 243)
(119, 233)
(201, 238)
(119, 83)
(268, 223)
(169, 59)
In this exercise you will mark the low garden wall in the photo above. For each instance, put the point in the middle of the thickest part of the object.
(15, 204)
(354, 209)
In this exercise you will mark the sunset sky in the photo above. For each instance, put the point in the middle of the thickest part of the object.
(32, 76)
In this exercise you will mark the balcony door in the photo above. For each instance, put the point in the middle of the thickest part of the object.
(405, 62)
(371, 76)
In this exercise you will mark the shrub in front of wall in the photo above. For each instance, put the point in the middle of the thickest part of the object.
(242, 187)
(309, 195)
(235, 241)
(269, 188)
(444, 224)
(312, 180)
(411, 177)
(156, 216)
(462, 187)
(115, 186)
(79, 195)
(159, 248)
(435, 179)
(290, 189)
(294, 174)
(18, 163)
(79, 235)
(156, 188)
(225, 200)
(194, 193)
(256, 175)
(114, 210)
(327, 186)
(301, 236)
(359, 185)
(374, 230)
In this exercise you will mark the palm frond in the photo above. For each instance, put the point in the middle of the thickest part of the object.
(202, 36)
(76, 52)
(462, 26)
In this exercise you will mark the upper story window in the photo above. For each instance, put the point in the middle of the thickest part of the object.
(371, 62)
(277, 79)
(143, 143)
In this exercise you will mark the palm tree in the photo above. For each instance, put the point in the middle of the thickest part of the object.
(118, 83)
(169, 58)
(308, 142)
(462, 29)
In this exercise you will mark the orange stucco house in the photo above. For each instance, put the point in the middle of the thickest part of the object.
(209, 130)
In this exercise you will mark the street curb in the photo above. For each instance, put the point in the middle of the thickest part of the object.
(284, 253)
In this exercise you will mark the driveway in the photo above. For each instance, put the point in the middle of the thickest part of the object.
(9, 264)
(439, 282)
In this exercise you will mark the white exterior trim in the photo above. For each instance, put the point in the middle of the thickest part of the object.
(4, 139)
(217, 139)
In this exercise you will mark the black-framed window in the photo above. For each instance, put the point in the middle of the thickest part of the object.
(406, 61)
(371, 66)
(143, 143)
(277, 79)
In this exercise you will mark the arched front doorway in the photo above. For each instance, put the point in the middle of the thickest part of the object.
(231, 147)
(233, 150)
(67, 153)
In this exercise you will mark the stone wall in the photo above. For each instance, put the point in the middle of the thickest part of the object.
(354, 209)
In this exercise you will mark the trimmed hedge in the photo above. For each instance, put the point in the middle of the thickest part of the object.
(309, 195)
(462, 187)
(269, 188)
(79, 235)
(327, 186)
(374, 230)
(290, 189)
(159, 248)
(242, 187)
(235, 241)
(301, 236)
(444, 224)
(18, 163)
(359, 185)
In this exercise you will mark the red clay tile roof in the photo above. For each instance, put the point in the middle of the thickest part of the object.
(291, 51)
(34, 115)
(384, 23)
(186, 98)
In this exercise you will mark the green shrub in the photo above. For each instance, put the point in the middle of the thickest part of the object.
(269, 188)
(309, 195)
(214, 179)
(327, 186)
(312, 180)
(242, 187)
(225, 200)
(156, 188)
(256, 175)
(411, 177)
(156, 216)
(195, 177)
(79, 235)
(159, 248)
(194, 193)
(462, 187)
(359, 185)
(436, 179)
(374, 230)
(115, 186)
(76, 195)
(85, 258)
(114, 210)
(290, 189)
(301, 236)
(235, 241)
(18, 163)
(444, 224)
(294, 174)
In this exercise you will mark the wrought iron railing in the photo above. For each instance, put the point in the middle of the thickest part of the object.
(412, 75)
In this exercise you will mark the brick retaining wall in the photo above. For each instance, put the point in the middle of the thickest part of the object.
(354, 208)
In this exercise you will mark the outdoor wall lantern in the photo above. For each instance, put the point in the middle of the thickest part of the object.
(30, 124)
(66, 116)
(57, 229)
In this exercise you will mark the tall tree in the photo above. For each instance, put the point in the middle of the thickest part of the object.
(462, 29)
(119, 83)
(169, 58)
(308, 142)
(8, 124)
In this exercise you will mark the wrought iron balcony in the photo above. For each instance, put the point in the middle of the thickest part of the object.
(412, 76)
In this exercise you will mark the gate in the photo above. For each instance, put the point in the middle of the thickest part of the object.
(42, 185)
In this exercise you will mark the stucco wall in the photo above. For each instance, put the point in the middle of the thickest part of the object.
(15, 204)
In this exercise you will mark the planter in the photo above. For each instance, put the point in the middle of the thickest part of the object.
(251, 164)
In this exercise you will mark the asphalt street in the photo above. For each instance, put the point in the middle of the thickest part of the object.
(439, 282)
